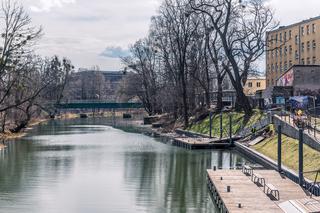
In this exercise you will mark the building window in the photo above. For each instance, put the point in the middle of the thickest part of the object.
(290, 63)
(280, 37)
(285, 50)
(276, 38)
(296, 55)
(314, 60)
(285, 36)
(250, 84)
(296, 40)
(290, 34)
(302, 31)
(285, 66)
(308, 45)
(280, 51)
(276, 67)
(290, 49)
(313, 28)
(302, 47)
(308, 60)
(277, 53)
(271, 39)
(302, 61)
(308, 29)
(314, 44)
(258, 84)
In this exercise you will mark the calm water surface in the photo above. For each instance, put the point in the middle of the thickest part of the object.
(86, 166)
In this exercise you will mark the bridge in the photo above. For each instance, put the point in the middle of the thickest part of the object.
(98, 105)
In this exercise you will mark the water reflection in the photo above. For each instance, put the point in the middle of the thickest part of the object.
(84, 166)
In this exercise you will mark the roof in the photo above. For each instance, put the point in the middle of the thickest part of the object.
(256, 78)
(295, 24)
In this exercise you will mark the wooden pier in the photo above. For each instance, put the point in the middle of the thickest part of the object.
(234, 191)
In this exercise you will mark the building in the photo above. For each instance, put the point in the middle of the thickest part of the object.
(303, 79)
(292, 45)
(94, 85)
(254, 84)
(299, 80)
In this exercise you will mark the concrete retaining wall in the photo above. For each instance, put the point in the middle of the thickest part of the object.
(293, 132)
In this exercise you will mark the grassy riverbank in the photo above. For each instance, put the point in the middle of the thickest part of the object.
(239, 120)
(290, 158)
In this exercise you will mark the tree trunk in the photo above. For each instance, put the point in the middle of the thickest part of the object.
(219, 95)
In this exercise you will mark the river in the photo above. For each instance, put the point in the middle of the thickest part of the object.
(83, 165)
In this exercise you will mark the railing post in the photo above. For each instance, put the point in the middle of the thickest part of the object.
(301, 157)
(210, 124)
(279, 149)
(230, 129)
(221, 125)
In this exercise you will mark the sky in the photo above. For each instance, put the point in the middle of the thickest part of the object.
(96, 32)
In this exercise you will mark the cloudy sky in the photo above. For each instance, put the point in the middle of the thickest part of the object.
(96, 32)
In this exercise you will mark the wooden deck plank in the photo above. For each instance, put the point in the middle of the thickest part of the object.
(251, 196)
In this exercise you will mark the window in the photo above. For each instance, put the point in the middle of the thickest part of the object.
(314, 60)
(285, 36)
(280, 51)
(308, 29)
(290, 63)
(302, 31)
(276, 38)
(271, 39)
(313, 28)
(277, 53)
(302, 46)
(314, 44)
(296, 55)
(290, 34)
(308, 45)
(258, 84)
(308, 60)
(250, 84)
(290, 49)
(285, 66)
(285, 50)
(280, 37)
(276, 67)
(296, 40)
(302, 61)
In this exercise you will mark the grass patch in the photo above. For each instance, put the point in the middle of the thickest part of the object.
(290, 156)
(239, 120)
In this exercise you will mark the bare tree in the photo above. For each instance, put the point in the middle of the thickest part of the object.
(241, 27)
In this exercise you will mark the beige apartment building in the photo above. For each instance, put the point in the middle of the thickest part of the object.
(253, 85)
(296, 44)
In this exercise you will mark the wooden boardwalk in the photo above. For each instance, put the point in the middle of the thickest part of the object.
(252, 198)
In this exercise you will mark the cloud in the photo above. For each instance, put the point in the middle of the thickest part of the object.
(114, 52)
(47, 5)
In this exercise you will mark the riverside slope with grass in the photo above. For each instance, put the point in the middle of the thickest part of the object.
(239, 121)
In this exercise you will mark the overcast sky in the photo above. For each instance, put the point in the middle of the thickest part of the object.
(96, 32)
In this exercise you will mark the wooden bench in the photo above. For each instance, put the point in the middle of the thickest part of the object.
(272, 189)
(247, 170)
(257, 178)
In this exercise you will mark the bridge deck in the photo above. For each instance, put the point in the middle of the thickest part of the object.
(99, 105)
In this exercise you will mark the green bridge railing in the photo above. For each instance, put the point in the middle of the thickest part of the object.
(98, 105)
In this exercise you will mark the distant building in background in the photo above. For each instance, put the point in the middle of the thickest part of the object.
(254, 84)
(296, 44)
(94, 85)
